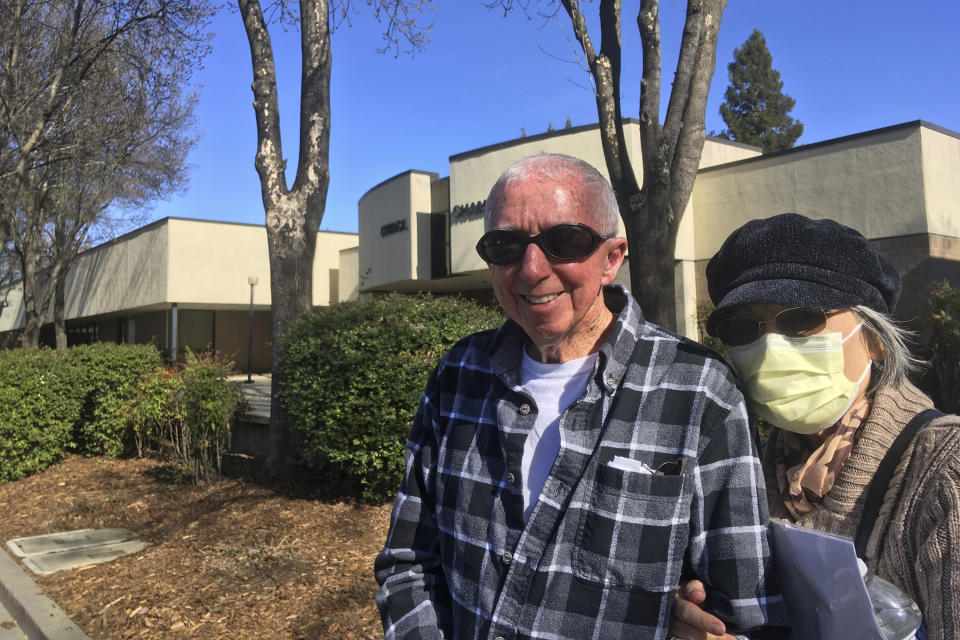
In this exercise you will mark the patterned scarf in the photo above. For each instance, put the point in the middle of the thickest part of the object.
(810, 464)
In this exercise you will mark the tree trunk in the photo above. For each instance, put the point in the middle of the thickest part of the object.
(59, 310)
(33, 307)
(292, 216)
(671, 151)
(290, 298)
(656, 277)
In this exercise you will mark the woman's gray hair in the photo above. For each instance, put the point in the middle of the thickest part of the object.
(598, 195)
(898, 362)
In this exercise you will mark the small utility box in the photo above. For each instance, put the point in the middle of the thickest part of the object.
(53, 552)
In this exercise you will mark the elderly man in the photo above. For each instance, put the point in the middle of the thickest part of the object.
(565, 471)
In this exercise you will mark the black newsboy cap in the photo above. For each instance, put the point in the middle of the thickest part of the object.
(791, 260)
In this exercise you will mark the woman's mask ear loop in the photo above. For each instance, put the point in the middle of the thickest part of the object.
(869, 367)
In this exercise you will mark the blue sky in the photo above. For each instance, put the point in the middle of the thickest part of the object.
(851, 65)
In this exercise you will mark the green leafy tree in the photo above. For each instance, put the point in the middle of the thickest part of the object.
(755, 109)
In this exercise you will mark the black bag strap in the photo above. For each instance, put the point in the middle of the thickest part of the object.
(881, 479)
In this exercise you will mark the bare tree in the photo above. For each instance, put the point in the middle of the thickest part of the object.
(94, 117)
(293, 214)
(670, 149)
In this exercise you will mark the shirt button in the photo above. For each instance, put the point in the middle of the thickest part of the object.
(511, 479)
(611, 382)
(524, 409)
(507, 558)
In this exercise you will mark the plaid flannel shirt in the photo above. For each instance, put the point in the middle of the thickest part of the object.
(604, 548)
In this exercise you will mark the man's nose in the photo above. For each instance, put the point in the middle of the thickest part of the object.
(534, 263)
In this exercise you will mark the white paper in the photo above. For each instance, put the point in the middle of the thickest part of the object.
(629, 464)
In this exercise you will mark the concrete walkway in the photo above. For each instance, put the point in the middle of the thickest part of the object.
(26, 613)
(257, 395)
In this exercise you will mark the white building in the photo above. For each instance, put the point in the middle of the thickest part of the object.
(184, 283)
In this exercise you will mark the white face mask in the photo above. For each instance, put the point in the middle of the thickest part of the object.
(797, 384)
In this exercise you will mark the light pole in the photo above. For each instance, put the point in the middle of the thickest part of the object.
(252, 281)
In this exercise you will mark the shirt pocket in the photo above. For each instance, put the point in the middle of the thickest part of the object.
(633, 531)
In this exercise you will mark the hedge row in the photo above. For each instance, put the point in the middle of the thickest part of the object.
(353, 376)
(52, 402)
(91, 400)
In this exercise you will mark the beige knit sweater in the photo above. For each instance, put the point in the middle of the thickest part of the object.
(916, 540)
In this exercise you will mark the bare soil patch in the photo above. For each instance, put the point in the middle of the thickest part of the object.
(241, 558)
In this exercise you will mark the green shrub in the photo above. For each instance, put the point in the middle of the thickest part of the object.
(185, 412)
(110, 373)
(943, 309)
(354, 374)
(42, 399)
(146, 412)
(107, 399)
(208, 403)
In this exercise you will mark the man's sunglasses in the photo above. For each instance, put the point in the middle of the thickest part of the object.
(565, 242)
(794, 323)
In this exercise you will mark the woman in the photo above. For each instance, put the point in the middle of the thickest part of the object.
(804, 309)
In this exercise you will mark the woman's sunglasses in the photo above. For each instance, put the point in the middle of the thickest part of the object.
(794, 323)
(564, 242)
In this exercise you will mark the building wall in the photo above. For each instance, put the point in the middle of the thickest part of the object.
(209, 263)
(123, 274)
(124, 290)
(472, 175)
(898, 186)
(941, 179)
(326, 266)
(11, 309)
(392, 245)
(718, 151)
(233, 334)
(873, 183)
(127, 273)
(349, 274)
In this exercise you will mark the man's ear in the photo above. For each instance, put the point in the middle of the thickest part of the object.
(616, 250)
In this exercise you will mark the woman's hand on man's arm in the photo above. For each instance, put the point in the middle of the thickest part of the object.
(689, 621)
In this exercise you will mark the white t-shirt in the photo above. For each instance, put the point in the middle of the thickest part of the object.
(553, 387)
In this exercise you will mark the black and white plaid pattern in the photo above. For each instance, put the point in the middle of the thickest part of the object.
(604, 548)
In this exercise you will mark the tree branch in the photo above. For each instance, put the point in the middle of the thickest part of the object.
(269, 159)
(690, 47)
(693, 133)
(648, 25)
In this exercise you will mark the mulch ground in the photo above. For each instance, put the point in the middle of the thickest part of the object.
(241, 558)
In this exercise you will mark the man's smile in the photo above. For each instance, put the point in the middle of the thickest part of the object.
(540, 299)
